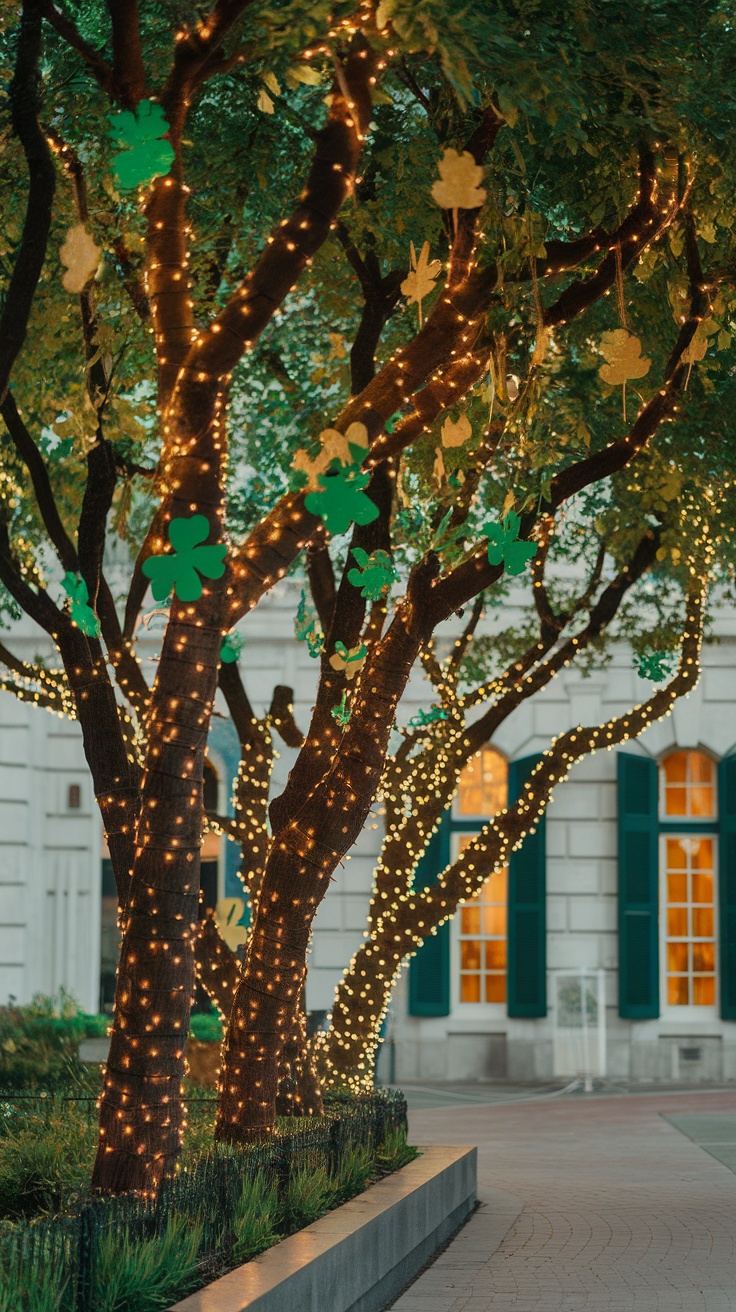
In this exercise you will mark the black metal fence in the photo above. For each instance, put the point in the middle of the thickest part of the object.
(50, 1263)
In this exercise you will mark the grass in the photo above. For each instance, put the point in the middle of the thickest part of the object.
(147, 1275)
(257, 1218)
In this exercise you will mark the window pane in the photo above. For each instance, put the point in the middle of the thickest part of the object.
(676, 801)
(702, 769)
(677, 888)
(483, 787)
(470, 988)
(677, 922)
(701, 801)
(677, 956)
(704, 990)
(495, 988)
(677, 990)
(703, 889)
(675, 768)
(494, 889)
(702, 922)
(470, 920)
(704, 957)
(703, 855)
(496, 954)
(676, 855)
(470, 954)
(494, 921)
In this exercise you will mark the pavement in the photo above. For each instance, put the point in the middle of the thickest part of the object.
(622, 1202)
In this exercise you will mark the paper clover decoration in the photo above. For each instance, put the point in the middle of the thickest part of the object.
(228, 912)
(424, 718)
(420, 281)
(350, 661)
(458, 187)
(143, 155)
(505, 545)
(341, 500)
(81, 257)
(375, 575)
(349, 448)
(179, 571)
(655, 665)
(625, 360)
(232, 645)
(456, 432)
(82, 614)
(306, 628)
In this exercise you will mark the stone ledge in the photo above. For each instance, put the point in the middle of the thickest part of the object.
(359, 1257)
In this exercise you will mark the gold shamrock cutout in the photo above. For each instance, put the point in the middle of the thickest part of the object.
(456, 432)
(81, 257)
(420, 281)
(350, 660)
(458, 187)
(625, 360)
(227, 914)
(335, 446)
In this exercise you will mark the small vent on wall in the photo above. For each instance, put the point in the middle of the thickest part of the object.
(74, 797)
(690, 1054)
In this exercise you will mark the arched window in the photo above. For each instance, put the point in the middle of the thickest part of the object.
(688, 811)
(482, 793)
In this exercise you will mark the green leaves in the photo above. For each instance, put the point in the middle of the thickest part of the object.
(342, 501)
(144, 156)
(341, 713)
(504, 544)
(180, 570)
(376, 573)
(232, 645)
(82, 614)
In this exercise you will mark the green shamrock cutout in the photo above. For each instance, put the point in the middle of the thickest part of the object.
(350, 662)
(232, 645)
(393, 421)
(376, 573)
(83, 616)
(342, 500)
(342, 712)
(504, 544)
(423, 718)
(306, 628)
(143, 155)
(655, 665)
(180, 570)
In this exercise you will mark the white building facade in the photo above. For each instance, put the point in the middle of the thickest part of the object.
(607, 948)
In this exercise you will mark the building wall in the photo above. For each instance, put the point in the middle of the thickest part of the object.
(50, 864)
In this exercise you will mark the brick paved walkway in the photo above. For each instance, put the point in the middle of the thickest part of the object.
(600, 1204)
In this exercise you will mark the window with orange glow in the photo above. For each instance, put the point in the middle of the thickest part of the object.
(688, 786)
(690, 944)
(482, 792)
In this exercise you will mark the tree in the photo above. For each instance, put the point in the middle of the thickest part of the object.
(544, 164)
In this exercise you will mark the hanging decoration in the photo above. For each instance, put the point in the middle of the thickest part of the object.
(228, 914)
(179, 571)
(456, 432)
(341, 500)
(505, 545)
(625, 360)
(438, 468)
(306, 628)
(349, 448)
(143, 155)
(232, 645)
(341, 713)
(655, 665)
(375, 575)
(350, 661)
(82, 614)
(81, 257)
(424, 718)
(420, 281)
(458, 187)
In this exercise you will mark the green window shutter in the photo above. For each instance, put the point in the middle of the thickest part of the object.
(727, 886)
(527, 910)
(638, 888)
(429, 972)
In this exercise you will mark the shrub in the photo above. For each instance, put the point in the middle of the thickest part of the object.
(207, 1027)
(310, 1193)
(256, 1217)
(38, 1043)
(46, 1159)
(146, 1275)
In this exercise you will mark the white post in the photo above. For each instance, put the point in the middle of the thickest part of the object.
(602, 1023)
(588, 1086)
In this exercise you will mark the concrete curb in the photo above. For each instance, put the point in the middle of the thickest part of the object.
(359, 1257)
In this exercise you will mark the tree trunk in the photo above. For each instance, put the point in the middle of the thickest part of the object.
(345, 1057)
(299, 1090)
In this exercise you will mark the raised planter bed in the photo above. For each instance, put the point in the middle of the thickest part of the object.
(358, 1257)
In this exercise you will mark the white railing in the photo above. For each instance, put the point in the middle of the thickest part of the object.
(579, 1024)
